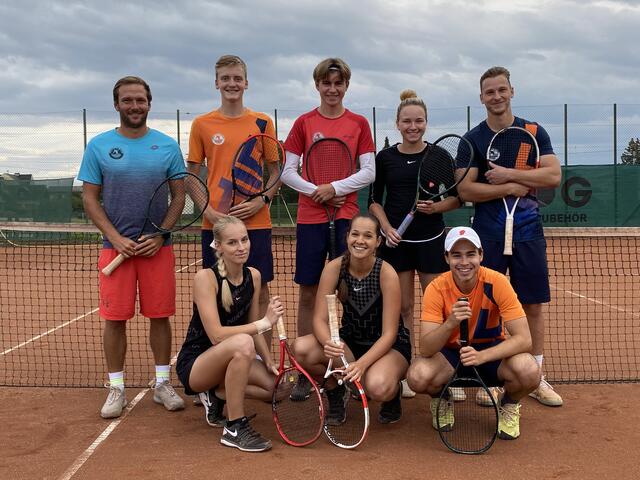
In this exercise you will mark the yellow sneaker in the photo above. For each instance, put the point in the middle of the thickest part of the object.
(482, 397)
(446, 415)
(546, 395)
(509, 421)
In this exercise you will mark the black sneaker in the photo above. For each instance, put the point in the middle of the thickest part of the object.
(242, 436)
(391, 411)
(213, 407)
(337, 413)
(301, 390)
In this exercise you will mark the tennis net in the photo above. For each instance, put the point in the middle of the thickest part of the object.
(51, 333)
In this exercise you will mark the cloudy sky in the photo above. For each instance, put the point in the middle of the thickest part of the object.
(60, 56)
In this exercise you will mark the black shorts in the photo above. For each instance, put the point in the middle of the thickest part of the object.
(487, 371)
(312, 249)
(425, 257)
(359, 349)
(184, 364)
(260, 253)
(528, 271)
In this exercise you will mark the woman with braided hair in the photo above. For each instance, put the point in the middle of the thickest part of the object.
(218, 358)
(373, 339)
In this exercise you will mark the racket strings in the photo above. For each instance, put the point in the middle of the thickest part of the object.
(474, 426)
(442, 159)
(514, 148)
(174, 209)
(350, 432)
(299, 421)
(328, 161)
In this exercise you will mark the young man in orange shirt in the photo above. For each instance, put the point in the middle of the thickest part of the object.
(491, 308)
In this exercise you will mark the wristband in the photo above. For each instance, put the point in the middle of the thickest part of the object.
(263, 325)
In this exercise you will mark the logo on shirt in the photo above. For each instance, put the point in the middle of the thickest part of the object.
(317, 136)
(217, 139)
(409, 162)
(116, 153)
(154, 147)
(494, 154)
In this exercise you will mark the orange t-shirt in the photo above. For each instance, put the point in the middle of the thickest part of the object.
(493, 302)
(216, 138)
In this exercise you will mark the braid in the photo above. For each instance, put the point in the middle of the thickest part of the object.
(343, 288)
(227, 298)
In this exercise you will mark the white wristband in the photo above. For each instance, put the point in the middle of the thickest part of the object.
(263, 325)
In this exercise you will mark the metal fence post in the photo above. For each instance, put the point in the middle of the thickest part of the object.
(84, 126)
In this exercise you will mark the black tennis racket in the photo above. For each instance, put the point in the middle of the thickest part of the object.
(443, 166)
(299, 422)
(513, 147)
(256, 168)
(329, 160)
(179, 201)
(464, 426)
(350, 428)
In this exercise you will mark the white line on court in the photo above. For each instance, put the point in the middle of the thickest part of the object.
(69, 322)
(597, 302)
(70, 472)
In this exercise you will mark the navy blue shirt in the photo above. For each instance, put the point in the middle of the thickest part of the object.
(490, 216)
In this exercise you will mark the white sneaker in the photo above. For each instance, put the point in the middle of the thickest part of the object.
(164, 394)
(115, 403)
(546, 395)
(457, 394)
(406, 390)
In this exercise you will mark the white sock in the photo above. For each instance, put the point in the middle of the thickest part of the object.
(162, 373)
(539, 360)
(116, 379)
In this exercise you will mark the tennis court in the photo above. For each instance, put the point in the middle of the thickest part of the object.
(51, 339)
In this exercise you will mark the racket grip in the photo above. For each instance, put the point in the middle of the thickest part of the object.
(333, 318)
(115, 263)
(403, 227)
(508, 236)
(282, 332)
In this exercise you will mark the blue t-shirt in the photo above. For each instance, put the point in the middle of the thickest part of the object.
(490, 216)
(129, 170)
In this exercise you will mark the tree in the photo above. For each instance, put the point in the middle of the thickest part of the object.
(386, 142)
(631, 154)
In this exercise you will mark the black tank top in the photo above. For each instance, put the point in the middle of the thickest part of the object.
(362, 311)
(197, 339)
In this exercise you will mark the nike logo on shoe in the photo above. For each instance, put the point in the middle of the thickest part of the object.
(233, 434)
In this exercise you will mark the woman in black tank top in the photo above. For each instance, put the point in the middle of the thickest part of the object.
(374, 340)
(218, 357)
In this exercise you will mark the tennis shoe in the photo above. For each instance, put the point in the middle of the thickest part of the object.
(301, 390)
(115, 402)
(546, 395)
(338, 399)
(482, 397)
(213, 407)
(406, 390)
(243, 437)
(164, 394)
(458, 394)
(446, 415)
(509, 421)
(391, 411)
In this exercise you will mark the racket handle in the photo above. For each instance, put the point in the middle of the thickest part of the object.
(115, 263)
(403, 227)
(508, 236)
(282, 332)
(333, 318)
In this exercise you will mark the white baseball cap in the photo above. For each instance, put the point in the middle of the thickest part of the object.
(460, 233)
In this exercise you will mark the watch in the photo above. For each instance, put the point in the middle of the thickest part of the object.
(266, 199)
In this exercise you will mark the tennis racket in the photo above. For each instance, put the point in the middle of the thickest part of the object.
(513, 147)
(179, 201)
(437, 173)
(299, 423)
(329, 160)
(256, 168)
(464, 426)
(350, 429)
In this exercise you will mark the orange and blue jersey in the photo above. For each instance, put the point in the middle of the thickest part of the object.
(216, 138)
(493, 303)
(489, 218)
(352, 129)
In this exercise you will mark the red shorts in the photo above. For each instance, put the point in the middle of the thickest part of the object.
(154, 278)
